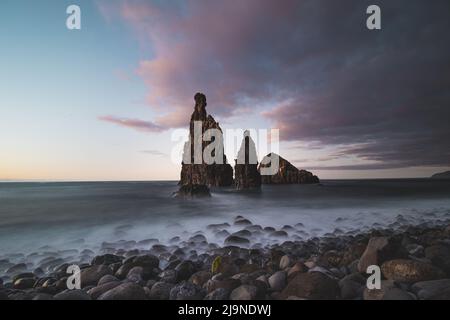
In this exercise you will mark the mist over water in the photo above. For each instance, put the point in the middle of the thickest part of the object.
(38, 216)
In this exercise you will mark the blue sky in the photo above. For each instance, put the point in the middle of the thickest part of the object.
(329, 91)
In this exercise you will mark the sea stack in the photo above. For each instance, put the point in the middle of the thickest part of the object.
(246, 171)
(196, 178)
(287, 173)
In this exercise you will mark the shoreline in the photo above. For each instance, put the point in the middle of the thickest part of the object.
(414, 262)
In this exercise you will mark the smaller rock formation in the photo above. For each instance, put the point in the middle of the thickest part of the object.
(246, 174)
(442, 175)
(287, 173)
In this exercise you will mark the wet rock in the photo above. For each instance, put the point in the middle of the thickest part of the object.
(125, 291)
(148, 263)
(403, 270)
(439, 255)
(184, 270)
(242, 222)
(106, 259)
(228, 284)
(379, 250)
(200, 278)
(169, 276)
(285, 262)
(72, 295)
(187, 291)
(235, 240)
(97, 291)
(352, 286)
(188, 191)
(107, 278)
(161, 291)
(17, 268)
(277, 281)
(42, 296)
(90, 276)
(314, 285)
(242, 234)
(135, 274)
(218, 294)
(24, 283)
(432, 290)
(379, 294)
(244, 292)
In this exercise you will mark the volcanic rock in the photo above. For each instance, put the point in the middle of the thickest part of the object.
(286, 173)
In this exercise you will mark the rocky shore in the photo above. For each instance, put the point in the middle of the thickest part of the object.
(414, 261)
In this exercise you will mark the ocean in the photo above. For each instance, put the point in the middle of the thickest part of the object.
(36, 217)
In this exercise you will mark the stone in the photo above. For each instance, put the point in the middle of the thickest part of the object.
(187, 291)
(352, 286)
(432, 290)
(378, 250)
(107, 278)
(125, 291)
(42, 296)
(161, 291)
(102, 288)
(285, 262)
(90, 276)
(286, 173)
(312, 285)
(148, 263)
(24, 283)
(229, 284)
(235, 240)
(135, 274)
(200, 278)
(190, 190)
(72, 295)
(277, 281)
(379, 294)
(410, 271)
(244, 292)
(439, 255)
(106, 259)
(185, 270)
(218, 294)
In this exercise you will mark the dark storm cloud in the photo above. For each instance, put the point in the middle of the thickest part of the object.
(333, 81)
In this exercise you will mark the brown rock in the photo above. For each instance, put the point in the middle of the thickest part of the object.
(286, 173)
(202, 174)
(403, 270)
(313, 286)
(379, 250)
(247, 175)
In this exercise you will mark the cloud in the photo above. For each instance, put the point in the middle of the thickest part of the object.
(153, 152)
(139, 125)
(333, 81)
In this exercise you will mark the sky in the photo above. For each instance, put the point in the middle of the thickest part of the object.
(102, 103)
